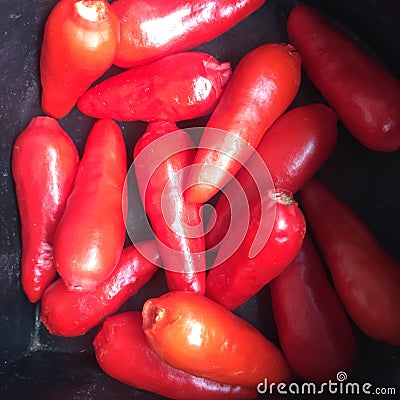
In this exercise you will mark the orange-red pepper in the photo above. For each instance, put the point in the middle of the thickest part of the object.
(79, 44)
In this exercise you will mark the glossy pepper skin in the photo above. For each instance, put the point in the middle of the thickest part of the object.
(293, 149)
(233, 281)
(261, 88)
(44, 165)
(91, 233)
(366, 278)
(313, 329)
(152, 29)
(365, 96)
(178, 87)
(79, 45)
(123, 353)
(161, 160)
(193, 333)
(67, 312)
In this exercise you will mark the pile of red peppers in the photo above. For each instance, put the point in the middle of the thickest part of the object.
(188, 343)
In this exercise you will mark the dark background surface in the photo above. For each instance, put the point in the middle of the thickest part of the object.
(36, 365)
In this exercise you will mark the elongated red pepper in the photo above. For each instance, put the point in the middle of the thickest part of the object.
(313, 329)
(241, 275)
(151, 29)
(261, 88)
(195, 334)
(293, 149)
(161, 159)
(178, 87)
(79, 45)
(67, 312)
(366, 278)
(44, 165)
(91, 234)
(121, 347)
(365, 95)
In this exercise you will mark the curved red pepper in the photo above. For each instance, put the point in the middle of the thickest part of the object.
(193, 333)
(313, 329)
(44, 165)
(261, 88)
(240, 276)
(151, 29)
(161, 158)
(365, 95)
(79, 44)
(67, 312)
(293, 149)
(178, 87)
(91, 234)
(365, 277)
(123, 353)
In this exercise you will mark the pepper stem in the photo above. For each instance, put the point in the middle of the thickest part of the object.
(91, 10)
(282, 197)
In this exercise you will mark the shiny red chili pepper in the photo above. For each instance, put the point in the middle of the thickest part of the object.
(293, 149)
(123, 353)
(161, 159)
(240, 276)
(44, 165)
(193, 333)
(366, 278)
(79, 45)
(91, 234)
(365, 95)
(313, 329)
(67, 312)
(151, 29)
(178, 87)
(261, 88)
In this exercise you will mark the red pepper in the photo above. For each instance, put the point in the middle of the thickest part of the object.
(123, 353)
(366, 278)
(293, 149)
(261, 88)
(161, 159)
(365, 95)
(79, 45)
(313, 329)
(44, 165)
(192, 333)
(241, 275)
(178, 87)
(91, 234)
(67, 312)
(151, 29)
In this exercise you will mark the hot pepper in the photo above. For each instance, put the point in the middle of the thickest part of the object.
(313, 329)
(365, 276)
(91, 233)
(261, 88)
(241, 275)
(123, 353)
(293, 149)
(193, 333)
(178, 87)
(44, 165)
(79, 44)
(365, 96)
(151, 29)
(161, 159)
(67, 312)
